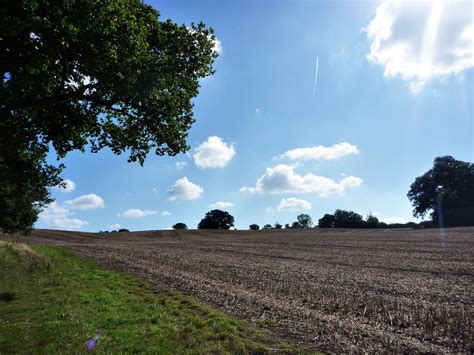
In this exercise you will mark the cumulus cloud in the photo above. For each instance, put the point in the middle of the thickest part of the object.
(293, 204)
(422, 40)
(57, 216)
(183, 189)
(68, 186)
(221, 205)
(138, 213)
(350, 181)
(165, 213)
(86, 202)
(114, 226)
(320, 152)
(283, 179)
(181, 164)
(213, 153)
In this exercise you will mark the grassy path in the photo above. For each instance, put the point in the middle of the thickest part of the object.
(52, 301)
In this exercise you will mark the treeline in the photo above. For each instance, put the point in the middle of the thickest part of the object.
(217, 219)
(121, 230)
(343, 219)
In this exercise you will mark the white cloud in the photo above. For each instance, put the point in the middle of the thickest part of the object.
(181, 164)
(350, 181)
(138, 213)
(422, 40)
(57, 216)
(283, 179)
(86, 202)
(114, 226)
(221, 205)
(183, 189)
(390, 220)
(165, 213)
(69, 186)
(293, 204)
(320, 152)
(217, 46)
(213, 153)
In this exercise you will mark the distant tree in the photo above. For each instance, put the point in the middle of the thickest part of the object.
(304, 220)
(90, 74)
(327, 221)
(267, 226)
(277, 226)
(114, 231)
(446, 191)
(254, 227)
(123, 230)
(296, 225)
(217, 219)
(287, 226)
(347, 219)
(372, 221)
(180, 226)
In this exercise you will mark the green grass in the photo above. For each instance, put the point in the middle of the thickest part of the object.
(52, 301)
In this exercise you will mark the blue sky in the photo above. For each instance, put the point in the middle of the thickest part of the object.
(394, 90)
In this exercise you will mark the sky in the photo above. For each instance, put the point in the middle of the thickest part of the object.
(314, 106)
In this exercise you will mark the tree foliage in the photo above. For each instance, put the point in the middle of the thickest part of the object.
(372, 222)
(327, 221)
(446, 191)
(217, 219)
(348, 219)
(254, 227)
(180, 226)
(78, 74)
(302, 221)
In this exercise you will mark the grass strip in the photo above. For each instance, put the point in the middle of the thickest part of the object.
(52, 301)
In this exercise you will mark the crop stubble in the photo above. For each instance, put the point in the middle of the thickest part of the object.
(331, 290)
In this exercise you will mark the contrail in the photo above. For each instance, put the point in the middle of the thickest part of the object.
(316, 76)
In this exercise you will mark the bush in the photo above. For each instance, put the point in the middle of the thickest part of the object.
(267, 226)
(254, 227)
(123, 230)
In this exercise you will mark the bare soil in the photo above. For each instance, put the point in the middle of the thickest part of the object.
(330, 290)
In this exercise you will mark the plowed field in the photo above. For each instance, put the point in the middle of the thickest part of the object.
(331, 290)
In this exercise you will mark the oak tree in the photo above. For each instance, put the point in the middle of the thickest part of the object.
(90, 74)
